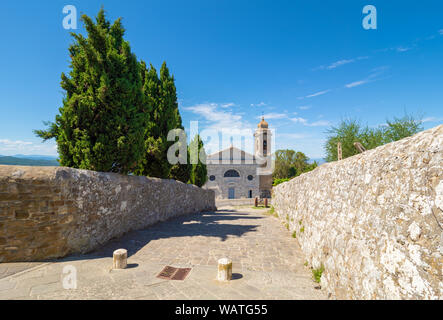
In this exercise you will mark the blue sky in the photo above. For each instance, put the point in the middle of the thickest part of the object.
(304, 64)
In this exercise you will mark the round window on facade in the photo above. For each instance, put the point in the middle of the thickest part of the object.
(250, 178)
(212, 178)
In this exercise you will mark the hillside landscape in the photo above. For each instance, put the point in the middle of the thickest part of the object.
(21, 160)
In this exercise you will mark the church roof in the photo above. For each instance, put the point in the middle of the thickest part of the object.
(231, 153)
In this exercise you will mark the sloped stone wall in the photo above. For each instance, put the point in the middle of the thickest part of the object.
(49, 212)
(373, 221)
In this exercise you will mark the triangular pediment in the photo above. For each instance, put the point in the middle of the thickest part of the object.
(230, 154)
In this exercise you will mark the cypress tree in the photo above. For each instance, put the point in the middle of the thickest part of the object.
(154, 162)
(199, 173)
(100, 125)
(160, 94)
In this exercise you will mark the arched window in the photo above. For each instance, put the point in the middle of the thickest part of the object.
(212, 178)
(232, 174)
(250, 178)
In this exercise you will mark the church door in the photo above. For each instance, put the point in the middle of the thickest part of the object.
(231, 193)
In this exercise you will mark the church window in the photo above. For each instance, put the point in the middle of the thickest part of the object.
(250, 178)
(212, 178)
(232, 174)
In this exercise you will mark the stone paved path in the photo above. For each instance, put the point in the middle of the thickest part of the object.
(267, 263)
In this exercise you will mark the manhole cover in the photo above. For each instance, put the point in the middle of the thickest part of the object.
(171, 273)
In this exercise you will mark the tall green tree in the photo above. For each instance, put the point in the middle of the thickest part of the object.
(199, 172)
(154, 161)
(161, 96)
(350, 131)
(100, 125)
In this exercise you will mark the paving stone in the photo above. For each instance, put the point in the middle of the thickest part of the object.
(267, 263)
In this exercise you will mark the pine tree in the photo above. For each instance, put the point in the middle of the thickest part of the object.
(199, 173)
(101, 123)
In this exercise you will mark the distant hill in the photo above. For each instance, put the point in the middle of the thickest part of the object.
(34, 157)
(29, 161)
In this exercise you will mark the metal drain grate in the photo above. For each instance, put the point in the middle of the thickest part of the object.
(171, 273)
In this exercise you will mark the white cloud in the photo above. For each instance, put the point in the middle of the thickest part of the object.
(261, 104)
(304, 107)
(340, 63)
(372, 77)
(440, 32)
(431, 119)
(356, 84)
(403, 49)
(318, 93)
(12, 147)
(296, 136)
(305, 122)
(227, 105)
(218, 118)
(274, 116)
(220, 121)
(299, 120)
(320, 123)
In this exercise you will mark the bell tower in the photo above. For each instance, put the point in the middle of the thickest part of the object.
(263, 152)
(262, 137)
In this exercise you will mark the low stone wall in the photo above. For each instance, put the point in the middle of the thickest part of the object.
(373, 221)
(50, 212)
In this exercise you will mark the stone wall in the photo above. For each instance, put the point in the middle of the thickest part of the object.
(373, 221)
(49, 212)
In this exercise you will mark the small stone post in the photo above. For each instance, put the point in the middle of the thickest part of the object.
(266, 202)
(339, 152)
(224, 269)
(256, 202)
(120, 259)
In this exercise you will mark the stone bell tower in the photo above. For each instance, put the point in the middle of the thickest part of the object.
(263, 152)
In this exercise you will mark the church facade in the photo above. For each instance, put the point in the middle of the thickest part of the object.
(236, 174)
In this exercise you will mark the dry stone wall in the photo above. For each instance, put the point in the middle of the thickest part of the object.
(373, 221)
(50, 212)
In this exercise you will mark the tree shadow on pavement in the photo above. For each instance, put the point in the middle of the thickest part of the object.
(206, 224)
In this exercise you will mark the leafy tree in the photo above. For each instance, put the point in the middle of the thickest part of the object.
(289, 164)
(100, 125)
(401, 128)
(350, 131)
(199, 173)
(276, 182)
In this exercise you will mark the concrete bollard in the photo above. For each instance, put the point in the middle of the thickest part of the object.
(224, 269)
(256, 202)
(266, 202)
(120, 258)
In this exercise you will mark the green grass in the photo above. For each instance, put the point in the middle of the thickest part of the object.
(294, 234)
(272, 212)
(306, 263)
(317, 273)
(302, 229)
(287, 225)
